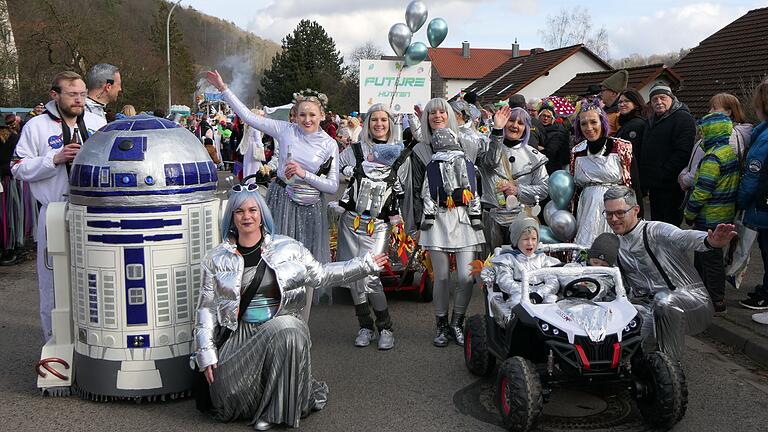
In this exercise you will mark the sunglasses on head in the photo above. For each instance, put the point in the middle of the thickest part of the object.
(251, 187)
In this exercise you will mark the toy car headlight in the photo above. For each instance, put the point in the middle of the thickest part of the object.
(633, 326)
(550, 330)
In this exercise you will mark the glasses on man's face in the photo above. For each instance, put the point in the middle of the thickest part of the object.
(74, 95)
(250, 187)
(619, 214)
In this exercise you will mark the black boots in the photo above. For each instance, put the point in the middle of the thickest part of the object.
(457, 328)
(441, 333)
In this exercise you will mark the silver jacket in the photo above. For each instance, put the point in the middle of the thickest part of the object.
(668, 314)
(507, 272)
(295, 269)
(528, 170)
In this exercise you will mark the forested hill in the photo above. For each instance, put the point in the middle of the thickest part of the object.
(53, 35)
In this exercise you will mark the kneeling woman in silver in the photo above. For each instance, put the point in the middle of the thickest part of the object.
(250, 340)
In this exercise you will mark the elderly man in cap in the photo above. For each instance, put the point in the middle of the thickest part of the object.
(609, 93)
(665, 150)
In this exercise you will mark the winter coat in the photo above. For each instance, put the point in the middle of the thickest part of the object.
(713, 200)
(666, 148)
(556, 147)
(739, 142)
(753, 189)
(632, 129)
(538, 134)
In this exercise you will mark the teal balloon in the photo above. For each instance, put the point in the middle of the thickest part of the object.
(437, 30)
(415, 54)
(546, 235)
(561, 188)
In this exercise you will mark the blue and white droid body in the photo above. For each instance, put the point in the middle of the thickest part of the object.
(142, 214)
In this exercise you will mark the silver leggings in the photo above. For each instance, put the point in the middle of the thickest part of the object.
(464, 281)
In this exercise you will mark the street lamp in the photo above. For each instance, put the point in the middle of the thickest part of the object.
(168, 44)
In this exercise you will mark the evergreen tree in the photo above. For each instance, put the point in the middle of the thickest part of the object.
(309, 59)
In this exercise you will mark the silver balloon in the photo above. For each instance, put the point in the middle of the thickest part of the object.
(416, 15)
(563, 225)
(400, 38)
(561, 188)
(549, 210)
(547, 236)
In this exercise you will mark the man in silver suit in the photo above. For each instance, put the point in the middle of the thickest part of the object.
(658, 272)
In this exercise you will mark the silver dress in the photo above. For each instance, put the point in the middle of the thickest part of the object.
(453, 229)
(669, 314)
(594, 174)
(264, 370)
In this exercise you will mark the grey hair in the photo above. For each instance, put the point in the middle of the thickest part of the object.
(99, 74)
(365, 135)
(621, 192)
(434, 104)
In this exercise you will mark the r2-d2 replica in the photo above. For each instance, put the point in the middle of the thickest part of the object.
(142, 213)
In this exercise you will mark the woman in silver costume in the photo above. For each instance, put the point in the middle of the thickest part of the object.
(451, 220)
(371, 204)
(250, 341)
(513, 173)
(597, 163)
(307, 168)
(660, 278)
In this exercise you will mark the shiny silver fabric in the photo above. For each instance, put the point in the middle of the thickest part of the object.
(685, 310)
(506, 271)
(308, 224)
(265, 373)
(353, 243)
(528, 170)
(296, 272)
(593, 318)
(452, 229)
(472, 141)
(594, 174)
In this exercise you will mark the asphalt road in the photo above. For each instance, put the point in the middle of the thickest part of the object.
(414, 387)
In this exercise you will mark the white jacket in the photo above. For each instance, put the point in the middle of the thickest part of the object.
(40, 140)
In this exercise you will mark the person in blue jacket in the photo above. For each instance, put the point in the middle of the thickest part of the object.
(753, 197)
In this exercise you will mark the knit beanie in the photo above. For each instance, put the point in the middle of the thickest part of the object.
(616, 82)
(386, 154)
(660, 88)
(519, 225)
(605, 247)
(715, 127)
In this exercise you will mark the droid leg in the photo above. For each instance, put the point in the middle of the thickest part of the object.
(44, 277)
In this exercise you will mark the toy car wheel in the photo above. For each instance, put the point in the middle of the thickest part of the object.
(425, 291)
(666, 397)
(518, 394)
(478, 359)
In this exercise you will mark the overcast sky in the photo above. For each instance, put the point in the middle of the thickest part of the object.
(640, 26)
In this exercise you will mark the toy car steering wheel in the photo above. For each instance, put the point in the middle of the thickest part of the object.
(583, 287)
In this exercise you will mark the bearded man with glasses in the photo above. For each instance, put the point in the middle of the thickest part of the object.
(658, 273)
(47, 145)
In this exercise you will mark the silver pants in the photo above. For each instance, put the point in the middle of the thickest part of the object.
(353, 243)
(464, 281)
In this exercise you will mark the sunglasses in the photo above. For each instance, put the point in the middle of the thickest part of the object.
(251, 187)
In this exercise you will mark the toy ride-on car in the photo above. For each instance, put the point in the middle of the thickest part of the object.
(590, 334)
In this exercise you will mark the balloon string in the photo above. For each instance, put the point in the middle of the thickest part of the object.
(397, 84)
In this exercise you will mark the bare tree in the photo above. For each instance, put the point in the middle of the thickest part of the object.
(9, 59)
(574, 26)
(635, 59)
(367, 51)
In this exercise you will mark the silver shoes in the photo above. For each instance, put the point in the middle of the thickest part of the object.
(261, 425)
(386, 340)
(364, 337)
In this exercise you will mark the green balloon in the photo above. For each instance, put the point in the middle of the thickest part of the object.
(415, 54)
(546, 235)
(436, 32)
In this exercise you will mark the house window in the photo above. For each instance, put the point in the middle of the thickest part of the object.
(135, 296)
(134, 271)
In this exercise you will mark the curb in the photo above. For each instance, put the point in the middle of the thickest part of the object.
(742, 339)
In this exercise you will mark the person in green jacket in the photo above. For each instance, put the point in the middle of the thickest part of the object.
(713, 199)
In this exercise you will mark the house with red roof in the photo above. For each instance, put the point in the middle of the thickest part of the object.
(641, 78)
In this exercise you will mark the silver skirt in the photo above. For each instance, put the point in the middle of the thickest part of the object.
(265, 373)
(307, 224)
(452, 232)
